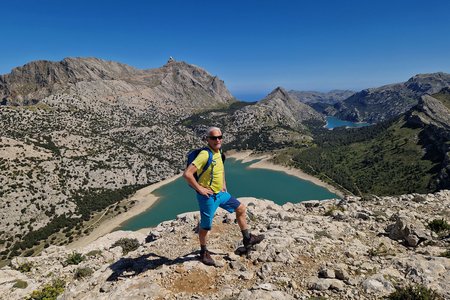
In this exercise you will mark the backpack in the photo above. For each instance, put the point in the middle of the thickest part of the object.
(194, 153)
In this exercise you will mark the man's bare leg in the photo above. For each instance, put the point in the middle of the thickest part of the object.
(248, 238)
(241, 216)
(202, 233)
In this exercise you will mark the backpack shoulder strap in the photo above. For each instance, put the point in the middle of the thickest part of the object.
(208, 163)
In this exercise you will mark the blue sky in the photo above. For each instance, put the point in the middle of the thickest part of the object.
(254, 46)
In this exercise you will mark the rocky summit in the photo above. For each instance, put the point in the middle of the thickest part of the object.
(350, 248)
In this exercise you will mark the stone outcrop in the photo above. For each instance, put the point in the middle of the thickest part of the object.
(337, 249)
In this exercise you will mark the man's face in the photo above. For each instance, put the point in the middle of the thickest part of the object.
(215, 140)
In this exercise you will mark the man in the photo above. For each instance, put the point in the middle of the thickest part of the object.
(212, 193)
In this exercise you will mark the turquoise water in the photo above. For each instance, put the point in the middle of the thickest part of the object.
(176, 197)
(333, 122)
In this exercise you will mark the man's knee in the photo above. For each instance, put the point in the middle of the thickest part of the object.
(241, 209)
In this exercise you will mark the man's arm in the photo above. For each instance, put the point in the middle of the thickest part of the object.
(188, 174)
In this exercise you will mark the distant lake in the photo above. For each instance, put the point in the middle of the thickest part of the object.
(333, 122)
(176, 197)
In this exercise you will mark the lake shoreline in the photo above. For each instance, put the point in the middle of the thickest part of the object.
(264, 162)
(145, 199)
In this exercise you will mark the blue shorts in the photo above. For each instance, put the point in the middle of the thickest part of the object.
(209, 205)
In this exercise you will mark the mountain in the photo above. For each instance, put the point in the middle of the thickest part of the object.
(279, 107)
(409, 153)
(176, 84)
(275, 121)
(36, 80)
(387, 102)
(351, 248)
(321, 101)
(311, 97)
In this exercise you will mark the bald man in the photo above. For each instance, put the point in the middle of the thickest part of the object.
(212, 193)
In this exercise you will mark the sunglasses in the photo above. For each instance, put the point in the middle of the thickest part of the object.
(215, 138)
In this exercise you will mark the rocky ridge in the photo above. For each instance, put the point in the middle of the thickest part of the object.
(311, 97)
(351, 248)
(378, 104)
(321, 101)
(432, 117)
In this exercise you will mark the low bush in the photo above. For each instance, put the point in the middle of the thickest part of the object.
(417, 292)
(49, 291)
(93, 253)
(83, 272)
(445, 254)
(74, 258)
(330, 211)
(25, 267)
(20, 284)
(127, 244)
(438, 225)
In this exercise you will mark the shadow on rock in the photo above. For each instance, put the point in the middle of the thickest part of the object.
(129, 267)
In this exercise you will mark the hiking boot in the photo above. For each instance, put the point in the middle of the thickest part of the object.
(253, 240)
(206, 258)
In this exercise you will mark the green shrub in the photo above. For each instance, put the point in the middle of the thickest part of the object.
(49, 291)
(74, 258)
(438, 225)
(417, 292)
(332, 209)
(445, 254)
(93, 253)
(322, 233)
(381, 250)
(83, 272)
(25, 267)
(127, 244)
(20, 284)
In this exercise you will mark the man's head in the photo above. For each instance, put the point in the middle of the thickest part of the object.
(214, 138)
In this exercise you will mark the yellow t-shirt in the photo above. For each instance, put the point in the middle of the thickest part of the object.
(215, 169)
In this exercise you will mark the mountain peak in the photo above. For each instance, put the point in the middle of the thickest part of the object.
(279, 92)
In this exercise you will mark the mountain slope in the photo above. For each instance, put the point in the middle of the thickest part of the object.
(407, 154)
(311, 97)
(387, 102)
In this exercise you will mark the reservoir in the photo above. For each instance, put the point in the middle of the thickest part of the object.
(333, 122)
(177, 197)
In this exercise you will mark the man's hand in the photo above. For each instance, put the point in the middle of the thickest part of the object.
(205, 191)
